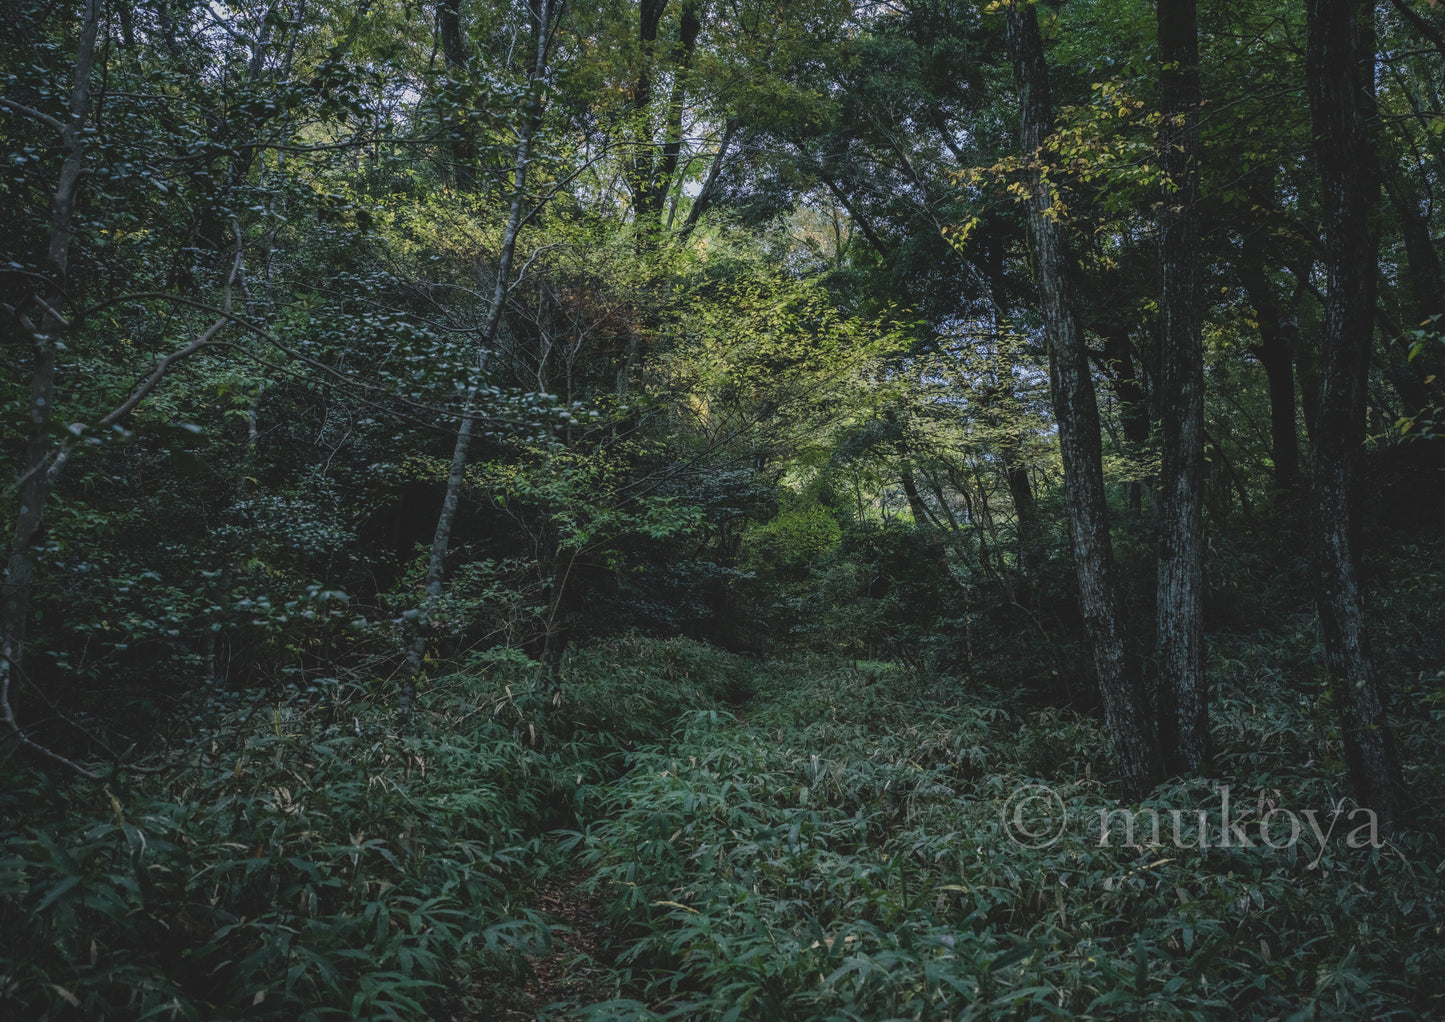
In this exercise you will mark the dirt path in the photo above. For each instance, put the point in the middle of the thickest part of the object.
(574, 972)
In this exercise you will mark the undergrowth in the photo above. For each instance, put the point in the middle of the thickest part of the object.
(843, 853)
(312, 857)
(812, 839)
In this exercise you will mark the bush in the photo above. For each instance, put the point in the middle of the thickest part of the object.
(309, 861)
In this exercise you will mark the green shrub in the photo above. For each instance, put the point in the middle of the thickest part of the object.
(307, 862)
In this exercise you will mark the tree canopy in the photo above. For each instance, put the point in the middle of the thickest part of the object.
(1053, 386)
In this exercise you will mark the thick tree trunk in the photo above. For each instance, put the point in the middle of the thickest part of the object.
(463, 133)
(1340, 79)
(1179, 649)
(1076, 410)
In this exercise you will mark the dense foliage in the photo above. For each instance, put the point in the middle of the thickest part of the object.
(529, 509)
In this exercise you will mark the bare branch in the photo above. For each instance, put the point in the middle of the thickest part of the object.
(163, 366)
(8, 714)
(33, 114)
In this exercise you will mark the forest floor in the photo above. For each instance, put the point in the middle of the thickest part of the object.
(844, 850)
(576, 968)
(695, 835)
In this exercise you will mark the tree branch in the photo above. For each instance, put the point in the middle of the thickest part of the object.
(33, 114)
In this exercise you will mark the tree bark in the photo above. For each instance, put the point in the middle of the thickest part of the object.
(1278, 334)
(1179, 614)
(709, 186)
(543, 15)
(1340, 82)
(640, 175)
(925, 522)
(1010, 442)
(688, 29)
(35, 489)
(1133, 407)
(1419, 380)
(1422, 262)
(463, 134)
(1076, 409)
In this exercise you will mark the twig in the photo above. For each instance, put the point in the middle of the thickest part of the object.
(20, 736)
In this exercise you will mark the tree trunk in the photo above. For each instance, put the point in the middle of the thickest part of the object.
(463, 133)
(1179, 649)
(35, 488)
(709, 185)
(688, 29)
(1010, 444)
(1423, 376)
(995, 404)
(451, 500)
(1133, 407)
(1076, 410)
(1275, 352)
(1422, 262)
(925, 522)
(1340, 80)
(643, 164)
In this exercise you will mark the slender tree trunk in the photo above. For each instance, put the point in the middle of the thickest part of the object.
(922, 517)
(1021, 494)
(1075, 408)
(709, 185)
(688, 29)
(48, 303)
(1307, 358)
(441, 540)
(1340, 80)
(1133, 407)
(1009, 446)
(1010, 443)
(640, 176)
(879, 245)
(1422, 262)
(1278, 337)
(1183, 699)
(1423, 376)
(925, 521)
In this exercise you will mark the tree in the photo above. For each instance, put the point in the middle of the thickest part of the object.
(545, 15)
(1183, 700)
(1340, 79)
(1076, 410)
(47, 305)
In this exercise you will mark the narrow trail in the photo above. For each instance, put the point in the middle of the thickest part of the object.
(574, 971)
(579, 968)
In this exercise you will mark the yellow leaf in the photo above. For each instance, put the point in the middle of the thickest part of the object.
(678, 904)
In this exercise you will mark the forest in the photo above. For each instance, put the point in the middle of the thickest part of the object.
(722, 510)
